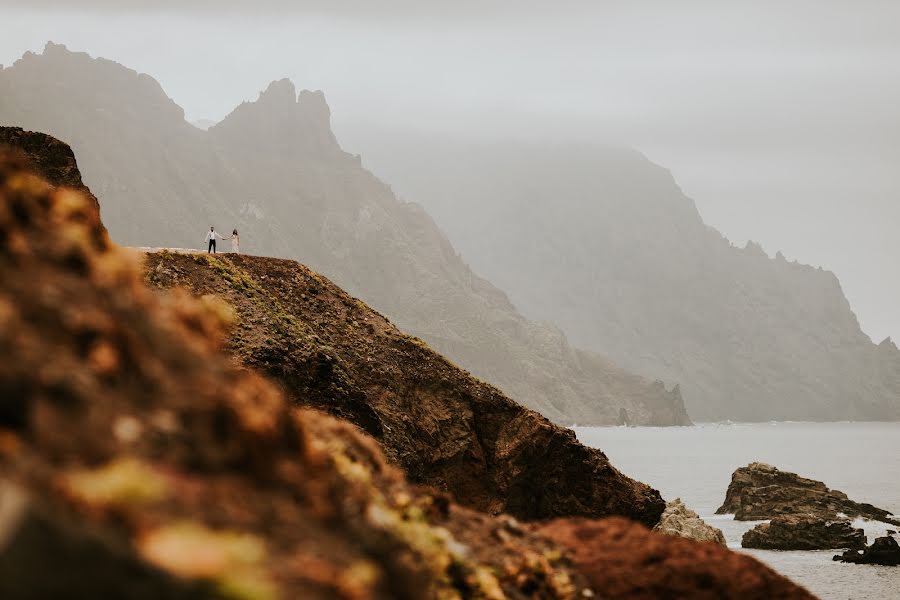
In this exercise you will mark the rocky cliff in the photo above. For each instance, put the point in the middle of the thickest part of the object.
(446, 429)
(274, 170)
(603, 242)
(140, 462)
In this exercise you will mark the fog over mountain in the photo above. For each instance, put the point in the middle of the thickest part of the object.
(603, 242)
(778, 118)
(775, 121)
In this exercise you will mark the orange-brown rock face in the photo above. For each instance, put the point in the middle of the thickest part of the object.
(625, 560)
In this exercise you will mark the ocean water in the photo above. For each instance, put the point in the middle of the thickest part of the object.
(696, 463)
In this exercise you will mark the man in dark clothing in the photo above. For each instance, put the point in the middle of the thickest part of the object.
(211, 240)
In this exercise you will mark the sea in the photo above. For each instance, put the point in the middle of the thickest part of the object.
(695, 464)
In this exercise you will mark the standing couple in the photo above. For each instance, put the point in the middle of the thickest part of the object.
(213, 234)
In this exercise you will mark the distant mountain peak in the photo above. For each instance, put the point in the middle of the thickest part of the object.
(52, 46)
(282, 91)
(112, 93)
(282, 119)
(888, 344)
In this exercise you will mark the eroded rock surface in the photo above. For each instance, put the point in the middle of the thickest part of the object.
(884, 551)
(759, 491)
(804, 533)
(680, 521)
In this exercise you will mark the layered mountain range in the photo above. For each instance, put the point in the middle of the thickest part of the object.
(274, 170)
(604, 242)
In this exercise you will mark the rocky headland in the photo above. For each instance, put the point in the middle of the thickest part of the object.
(759, 491)
(139, 460)
(446, 429)
(804, 533)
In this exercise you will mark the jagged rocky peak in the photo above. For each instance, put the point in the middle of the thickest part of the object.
(51, 48)
(281, 121)
(280, 93)
(756, 249)
(888, 345)
(312, 103)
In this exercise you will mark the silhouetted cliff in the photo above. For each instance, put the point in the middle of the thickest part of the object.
(274, 170)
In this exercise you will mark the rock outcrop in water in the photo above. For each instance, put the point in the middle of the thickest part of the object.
(760, 491)
(274, 169)
(138, 461)
(603, 242)
(884, 551)
(680, 521)
(804, 533)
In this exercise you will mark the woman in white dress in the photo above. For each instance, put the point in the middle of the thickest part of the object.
(235, 242)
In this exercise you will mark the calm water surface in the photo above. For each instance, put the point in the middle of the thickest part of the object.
(696, 463)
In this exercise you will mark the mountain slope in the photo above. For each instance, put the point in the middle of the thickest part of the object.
(274, 170)
(604, 242)
(445, 428)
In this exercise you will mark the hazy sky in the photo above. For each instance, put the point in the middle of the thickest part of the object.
(779, 118)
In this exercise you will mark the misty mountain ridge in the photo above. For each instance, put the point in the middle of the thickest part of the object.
(274, 169)
(604, 242)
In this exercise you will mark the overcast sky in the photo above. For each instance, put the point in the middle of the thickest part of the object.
(779, 118)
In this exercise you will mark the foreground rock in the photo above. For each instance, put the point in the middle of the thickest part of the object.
(759, 491)
(884, 551)
(804, 533)
(625, 560)
(680, 521)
